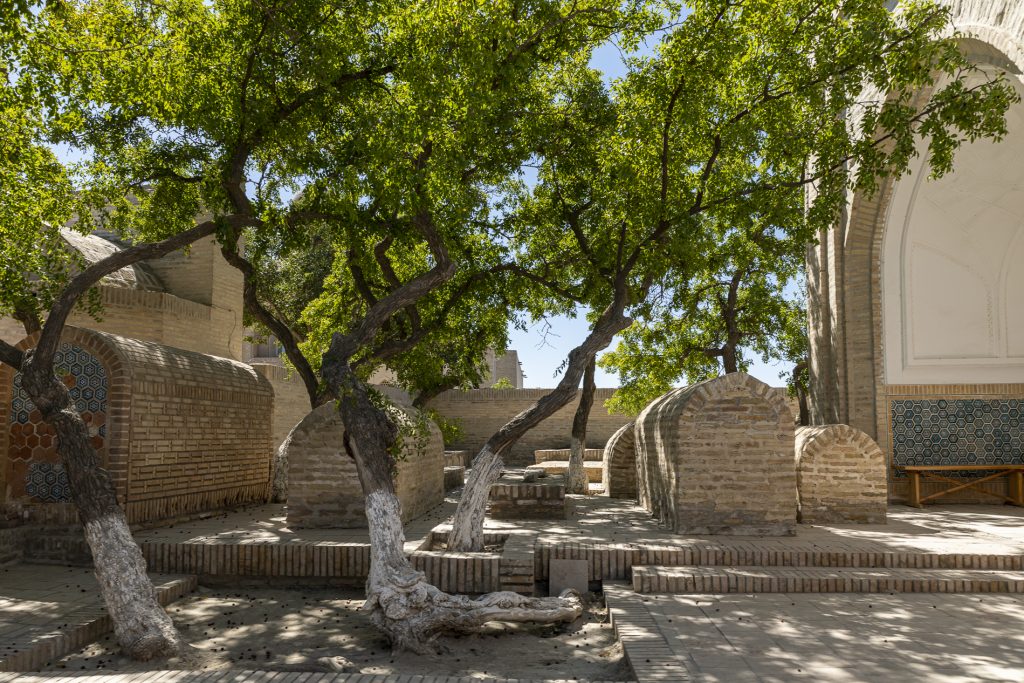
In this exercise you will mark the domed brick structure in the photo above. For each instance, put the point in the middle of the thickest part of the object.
(180, 432)
(323, 484)
(717, 458)
(619, 474)
(840, 476)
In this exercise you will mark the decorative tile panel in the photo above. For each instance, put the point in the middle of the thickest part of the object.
(33, 465)
(957, 432)
(47, 481)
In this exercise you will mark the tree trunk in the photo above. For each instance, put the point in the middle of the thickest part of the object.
(576, 480)
(141, 626)
(468, 524)
(411, 612)
(729, 362)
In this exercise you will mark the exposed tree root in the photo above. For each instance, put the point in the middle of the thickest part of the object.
(413, 613)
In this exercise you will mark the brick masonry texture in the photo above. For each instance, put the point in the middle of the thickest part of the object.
(848, 383)
(184, 432)
(32, 650)
(481, 412)
(200, 308)
(717, 458)
(718, 580)
(323, 485)
(546, 455)
(618, 474)
(527, 501)
(291, 401)
(840, 476)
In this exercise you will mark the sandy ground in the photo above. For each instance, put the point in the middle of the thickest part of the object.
(290, 630)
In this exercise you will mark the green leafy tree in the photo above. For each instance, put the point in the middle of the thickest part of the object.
(384, 128)
(42, 281)
(745, 109)
(733, 301)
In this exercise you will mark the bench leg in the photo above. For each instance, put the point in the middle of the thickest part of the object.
(915, 489)
(1015, 484)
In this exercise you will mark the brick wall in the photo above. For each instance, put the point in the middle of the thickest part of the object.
(323, 484)
(717, 458)
(200, 311)
(183, 432)
(619, 464)
(291, 401)
(841, 476)
(481, 412)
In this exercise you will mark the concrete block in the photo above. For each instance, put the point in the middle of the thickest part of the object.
(564, 574)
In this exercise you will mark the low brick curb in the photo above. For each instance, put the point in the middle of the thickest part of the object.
(718, 580)
(78, 628)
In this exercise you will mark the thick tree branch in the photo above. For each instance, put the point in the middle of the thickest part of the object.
(277, 327)
(10, 355)
(81, 283)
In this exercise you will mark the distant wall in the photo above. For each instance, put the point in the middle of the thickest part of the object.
(481, 412)
(291, 401)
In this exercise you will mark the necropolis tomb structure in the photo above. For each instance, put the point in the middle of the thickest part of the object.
(179, 431)
(840, 476)
(323, 485)
(717, 458)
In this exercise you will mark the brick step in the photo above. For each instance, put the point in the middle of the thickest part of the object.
(594, 470)
(589, 455)
(656, 579)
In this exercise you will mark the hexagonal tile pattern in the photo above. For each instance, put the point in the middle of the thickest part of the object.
(957, 432)
(34, 469)
(47, 482)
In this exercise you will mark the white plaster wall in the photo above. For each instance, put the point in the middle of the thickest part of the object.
(953, 268)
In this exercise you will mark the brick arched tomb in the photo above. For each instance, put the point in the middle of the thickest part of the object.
(323, 488)
(717, 458)
(180, 432)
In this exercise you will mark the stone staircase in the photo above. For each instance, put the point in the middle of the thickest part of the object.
(747, 568)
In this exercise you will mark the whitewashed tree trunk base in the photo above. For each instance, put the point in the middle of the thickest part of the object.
(141, 625)
(468, 525)
(412, 613)
(576, 480)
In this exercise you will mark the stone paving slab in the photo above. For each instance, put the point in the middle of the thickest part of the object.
(646, 647)
(651, 579)
(772, 638)
(240, 676)
(47, 611)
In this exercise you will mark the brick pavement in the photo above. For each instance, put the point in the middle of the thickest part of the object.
(842, 638)
(241, 676)
(47, 611)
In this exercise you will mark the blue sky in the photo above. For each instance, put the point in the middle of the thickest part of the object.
(542, 349)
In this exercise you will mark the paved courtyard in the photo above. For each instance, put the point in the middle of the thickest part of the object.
(711, 638)
(939, 638)
(43, 607)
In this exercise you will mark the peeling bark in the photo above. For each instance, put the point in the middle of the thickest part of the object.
(410, 611)
(576, 480)
(141, 626)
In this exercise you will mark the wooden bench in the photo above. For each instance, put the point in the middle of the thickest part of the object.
(1015, 486)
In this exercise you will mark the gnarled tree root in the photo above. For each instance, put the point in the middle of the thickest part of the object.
(413, 613)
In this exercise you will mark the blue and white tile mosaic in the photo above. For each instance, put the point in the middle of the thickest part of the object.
(89, 391)
(957, 432)
(47, 482)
